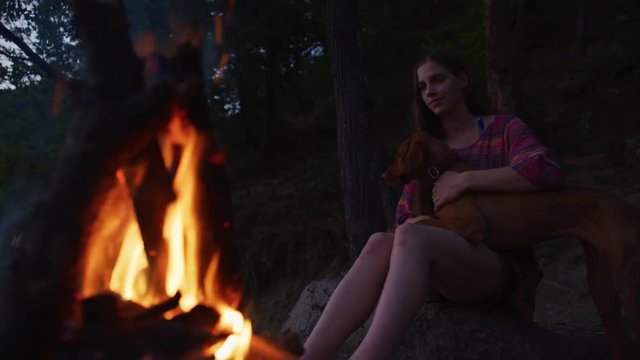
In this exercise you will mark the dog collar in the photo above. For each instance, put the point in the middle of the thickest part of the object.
(434, 171)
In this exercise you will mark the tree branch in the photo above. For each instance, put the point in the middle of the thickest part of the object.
(38, 61)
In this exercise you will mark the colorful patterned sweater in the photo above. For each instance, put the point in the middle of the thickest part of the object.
(507, 141)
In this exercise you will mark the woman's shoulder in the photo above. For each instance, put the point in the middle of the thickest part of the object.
(503, 122)
(499, 118)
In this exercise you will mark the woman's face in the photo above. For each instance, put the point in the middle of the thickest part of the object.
(440, 90)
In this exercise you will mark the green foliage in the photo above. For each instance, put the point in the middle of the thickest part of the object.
(277, 70)
(583, 103)
(47, 28)
(395, 35)
(30, 140)
(165, 18)
(56, 37)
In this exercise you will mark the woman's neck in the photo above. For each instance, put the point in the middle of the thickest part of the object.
(459, 122)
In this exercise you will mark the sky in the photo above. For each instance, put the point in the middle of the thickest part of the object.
(5, 62)
(33, 38)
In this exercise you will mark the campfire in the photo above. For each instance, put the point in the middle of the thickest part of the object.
(167, 271)
(160, 293)
(130, 255)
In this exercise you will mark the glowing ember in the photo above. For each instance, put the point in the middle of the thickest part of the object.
(116, 259)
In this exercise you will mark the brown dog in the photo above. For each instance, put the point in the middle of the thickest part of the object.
(607, 226)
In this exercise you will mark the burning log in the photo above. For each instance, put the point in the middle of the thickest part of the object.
(151, 197)
(109, 308)
(110, 322)
(146, 333)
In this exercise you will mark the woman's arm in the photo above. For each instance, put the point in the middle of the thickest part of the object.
(500, 179)
(404, 209)
(452, 185)
(530, 167)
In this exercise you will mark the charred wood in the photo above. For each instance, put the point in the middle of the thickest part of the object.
(147, 333)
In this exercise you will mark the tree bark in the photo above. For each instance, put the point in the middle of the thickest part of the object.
(584, 31)
(116, 70)
(358, 173)
(268, 134)
(499, 55)
(522, 37)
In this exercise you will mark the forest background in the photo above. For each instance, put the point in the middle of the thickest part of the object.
(573, 68)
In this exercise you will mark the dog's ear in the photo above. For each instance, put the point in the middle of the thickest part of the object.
(413, 158)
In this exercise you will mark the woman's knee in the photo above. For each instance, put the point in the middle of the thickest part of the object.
(378, 246)
(417, 240)
(410, 235)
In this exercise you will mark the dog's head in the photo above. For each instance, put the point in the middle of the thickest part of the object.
(414, 156)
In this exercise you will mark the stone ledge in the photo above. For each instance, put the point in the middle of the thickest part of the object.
(447, 332)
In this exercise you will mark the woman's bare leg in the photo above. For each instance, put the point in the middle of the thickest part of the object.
(424, 256)
(353, 300)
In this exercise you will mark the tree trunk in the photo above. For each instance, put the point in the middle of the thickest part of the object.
(362, 201)
(584, 25)
(269, 127)
(499, 55)
(522, 38)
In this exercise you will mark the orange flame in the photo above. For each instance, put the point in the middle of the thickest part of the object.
(116, 260)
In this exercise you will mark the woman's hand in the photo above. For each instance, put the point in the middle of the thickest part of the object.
(416, 219)
(449, 186)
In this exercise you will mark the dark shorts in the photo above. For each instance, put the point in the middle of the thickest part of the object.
(499, 298)
(515, 294)
(505, 288)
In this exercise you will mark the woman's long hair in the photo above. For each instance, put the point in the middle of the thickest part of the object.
(425, 119)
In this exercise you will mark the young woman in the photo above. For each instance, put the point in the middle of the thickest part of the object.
(395, 271)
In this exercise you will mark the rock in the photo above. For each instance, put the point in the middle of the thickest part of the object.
(307, 310)
(446, 331)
